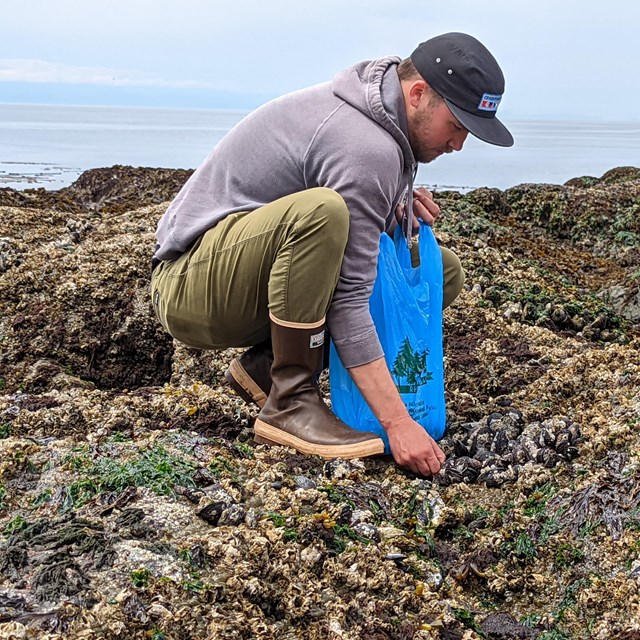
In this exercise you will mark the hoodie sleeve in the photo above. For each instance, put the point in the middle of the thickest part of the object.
(354, 156)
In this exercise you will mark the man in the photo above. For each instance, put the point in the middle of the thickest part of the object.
(275, 237)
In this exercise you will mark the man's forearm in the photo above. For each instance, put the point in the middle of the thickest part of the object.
(410, 444)
(379, 391)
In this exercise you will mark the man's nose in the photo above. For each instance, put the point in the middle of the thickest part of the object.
(457, 141)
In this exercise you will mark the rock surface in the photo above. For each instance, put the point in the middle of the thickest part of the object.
(135, 505)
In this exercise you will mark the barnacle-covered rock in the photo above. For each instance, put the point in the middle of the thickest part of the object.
(135, 504)
(369, 531)
(496, 476)
(338, 468)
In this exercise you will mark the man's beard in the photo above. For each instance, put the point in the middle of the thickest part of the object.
(421, 152)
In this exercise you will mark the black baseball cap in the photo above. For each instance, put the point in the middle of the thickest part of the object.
(463, 71)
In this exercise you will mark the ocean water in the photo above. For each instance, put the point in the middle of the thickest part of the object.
(49, 146)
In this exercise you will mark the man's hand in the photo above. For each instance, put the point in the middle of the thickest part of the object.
(412, 447)
(424, 207)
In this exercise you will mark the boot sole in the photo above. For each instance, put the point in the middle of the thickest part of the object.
(243, 384)
(266, 434)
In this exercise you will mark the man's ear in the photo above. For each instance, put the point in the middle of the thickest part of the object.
(417, 90)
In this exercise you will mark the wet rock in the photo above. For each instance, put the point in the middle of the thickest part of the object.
(368, 531)
(338, 468)
(625, 301)
(359, 516)
(211, 512)
(501, 626)
(303, 482)
(232, 515)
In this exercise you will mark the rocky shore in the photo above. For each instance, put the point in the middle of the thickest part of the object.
(135, 505)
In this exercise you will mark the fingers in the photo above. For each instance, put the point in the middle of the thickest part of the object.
(424, 207)
(421, 212)
(426, 461)
(414, 449)
(423, 459)
(428, 467)
(432, 463)
(399, 212)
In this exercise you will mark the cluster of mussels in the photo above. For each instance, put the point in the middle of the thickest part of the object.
(494, 450)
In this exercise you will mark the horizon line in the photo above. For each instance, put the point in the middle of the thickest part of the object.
(247, 110)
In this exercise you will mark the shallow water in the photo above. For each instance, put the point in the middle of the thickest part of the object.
(49, 146)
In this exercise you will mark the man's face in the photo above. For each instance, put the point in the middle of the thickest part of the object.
(434, 130)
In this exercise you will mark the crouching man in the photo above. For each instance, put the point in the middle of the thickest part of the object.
(275, 237)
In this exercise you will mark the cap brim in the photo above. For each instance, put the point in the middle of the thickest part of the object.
(489, 130)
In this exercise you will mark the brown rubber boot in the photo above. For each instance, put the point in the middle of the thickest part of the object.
(250, 374)
(294, 414)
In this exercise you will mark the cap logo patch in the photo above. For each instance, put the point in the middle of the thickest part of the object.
(489, 102)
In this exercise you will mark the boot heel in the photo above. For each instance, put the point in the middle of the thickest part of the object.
(242, 383)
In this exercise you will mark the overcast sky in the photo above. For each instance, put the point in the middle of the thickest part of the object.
(577, 59)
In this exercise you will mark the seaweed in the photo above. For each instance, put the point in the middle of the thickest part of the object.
(611, 501)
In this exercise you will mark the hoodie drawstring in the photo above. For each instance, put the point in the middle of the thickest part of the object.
(407, 204)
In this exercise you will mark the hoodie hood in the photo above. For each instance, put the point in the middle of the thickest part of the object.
(373, 87)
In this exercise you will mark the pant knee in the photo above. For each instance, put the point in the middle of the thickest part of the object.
(331, 215)
(453, 276)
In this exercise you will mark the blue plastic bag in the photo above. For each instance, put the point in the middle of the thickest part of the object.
(406, 306)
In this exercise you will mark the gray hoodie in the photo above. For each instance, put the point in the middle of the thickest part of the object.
(349, 135)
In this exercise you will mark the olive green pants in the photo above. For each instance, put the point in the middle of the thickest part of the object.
(283, 258)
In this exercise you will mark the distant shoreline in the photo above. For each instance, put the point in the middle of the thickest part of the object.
(25, 175)
(49, 176)
(50, 146)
